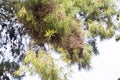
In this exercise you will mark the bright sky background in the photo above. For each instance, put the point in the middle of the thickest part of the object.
(105, 66)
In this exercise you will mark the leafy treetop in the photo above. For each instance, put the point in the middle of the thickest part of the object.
(54, 21)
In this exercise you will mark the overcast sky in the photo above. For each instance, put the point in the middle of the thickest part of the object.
(106, 66)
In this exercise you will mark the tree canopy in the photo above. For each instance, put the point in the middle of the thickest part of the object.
(70, 27)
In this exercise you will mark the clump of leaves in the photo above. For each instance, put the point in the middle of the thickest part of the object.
(43, 64)
(49, 33)
(65, 55)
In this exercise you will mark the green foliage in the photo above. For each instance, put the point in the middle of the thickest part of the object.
(22, 12)
(19, 71)
(110, 32)
(65, 54)
(43, 64)
(97, 29)
(49, 33)
(58, 23)
(94, 29)
(96, 7)
(87, 54)
(54, 21)
(117, 37)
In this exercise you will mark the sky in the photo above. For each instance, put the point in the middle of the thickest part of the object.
(105, 66)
